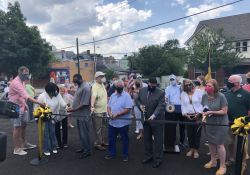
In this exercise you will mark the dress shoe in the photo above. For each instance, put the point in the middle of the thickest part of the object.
(84, 155)
(79, 151)
(147, 161)
(157, 164)
(100, 148)
(105, 144)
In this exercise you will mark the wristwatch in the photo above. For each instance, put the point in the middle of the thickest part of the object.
(118, 115)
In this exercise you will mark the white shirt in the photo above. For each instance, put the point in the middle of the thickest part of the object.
(6, 89)
(53, 103)
(173, 94)
(193, 108)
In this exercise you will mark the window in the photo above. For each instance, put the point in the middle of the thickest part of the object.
(62, 55)
(76, 64)
(86, 64)
(237, 45)
(239, 70)
(225, 80)
(244, 46)
(197, 73)
(213, 75)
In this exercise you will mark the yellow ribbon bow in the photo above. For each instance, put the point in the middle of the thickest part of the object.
(41, 113)
(241, 127)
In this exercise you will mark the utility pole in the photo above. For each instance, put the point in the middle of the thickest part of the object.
(94, 60)
(78, 56)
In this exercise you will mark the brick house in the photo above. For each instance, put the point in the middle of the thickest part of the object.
(237, 26)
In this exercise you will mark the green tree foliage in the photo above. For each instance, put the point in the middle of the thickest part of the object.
(222, 50)
(109, 73)
(21, 45)
(158, 60)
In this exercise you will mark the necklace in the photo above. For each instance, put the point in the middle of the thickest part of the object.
(211, 99)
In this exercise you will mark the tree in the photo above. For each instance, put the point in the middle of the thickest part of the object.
(222, 50)
(21, 45)
(109, 73)
(158, 60)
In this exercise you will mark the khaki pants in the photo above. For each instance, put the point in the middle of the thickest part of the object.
(99, 126)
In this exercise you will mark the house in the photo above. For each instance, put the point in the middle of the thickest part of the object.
(237, 26)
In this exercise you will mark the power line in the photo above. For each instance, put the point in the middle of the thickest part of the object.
(156, 25)
(91, 17)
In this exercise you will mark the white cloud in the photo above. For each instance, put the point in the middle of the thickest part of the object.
(180, 1)
(187, 6)
(112, 20)
(173, 4)
(191, 23)
(160, 36)
(146, 2)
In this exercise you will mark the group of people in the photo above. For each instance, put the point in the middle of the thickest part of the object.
(101, 101)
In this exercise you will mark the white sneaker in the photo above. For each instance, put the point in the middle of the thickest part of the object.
(137, 132)
(54, 151)
(46, 153)
(20, 152)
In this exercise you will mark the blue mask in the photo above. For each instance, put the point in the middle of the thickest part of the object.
(173, 83)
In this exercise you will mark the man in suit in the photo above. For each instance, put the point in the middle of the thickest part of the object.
(152, 99)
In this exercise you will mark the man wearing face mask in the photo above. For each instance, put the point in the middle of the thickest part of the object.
(112, 88)
(172, 96)
(17, 94)
(99, 109)
(119, 106)
(238, 106)
(151, 99)
(81, 107)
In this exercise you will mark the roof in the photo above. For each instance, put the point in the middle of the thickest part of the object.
(70, 54)
(114, 67)
(237, 26)
(100, 67)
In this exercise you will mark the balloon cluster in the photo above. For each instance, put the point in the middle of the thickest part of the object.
(43, 112)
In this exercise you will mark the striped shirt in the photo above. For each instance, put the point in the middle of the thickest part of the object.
(17, 93)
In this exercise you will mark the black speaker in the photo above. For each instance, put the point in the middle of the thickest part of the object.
(3, 143)
(9, 109)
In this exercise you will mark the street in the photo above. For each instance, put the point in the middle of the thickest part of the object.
(67, 161)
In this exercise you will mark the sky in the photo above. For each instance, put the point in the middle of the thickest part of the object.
(62, 21)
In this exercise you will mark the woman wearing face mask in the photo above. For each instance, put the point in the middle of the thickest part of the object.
(67, 86)
(217, 114)
(192, 109)
(53, 101)
(200, 83)
(247, 87)
(134, 95)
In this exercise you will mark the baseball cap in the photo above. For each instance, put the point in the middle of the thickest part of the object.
(139, 76)
(172, 77)
(99, 73)
(125, 83)
(181, 80)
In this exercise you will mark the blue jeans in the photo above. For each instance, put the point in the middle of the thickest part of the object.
(30, 105)
(49, 133)
(113, 132)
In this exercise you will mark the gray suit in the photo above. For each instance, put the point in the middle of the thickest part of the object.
(154, 106)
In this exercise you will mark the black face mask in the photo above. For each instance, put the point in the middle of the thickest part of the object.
(248, 80)
(119, 89)
(151, 89)
(230, 85)
(197, 83)
(77, 82)
(137, 85)
(188, 88)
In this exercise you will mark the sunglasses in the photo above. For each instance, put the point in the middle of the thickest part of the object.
(188, 85)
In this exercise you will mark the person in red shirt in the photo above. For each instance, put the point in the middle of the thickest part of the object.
(18, 95)
(247, 87)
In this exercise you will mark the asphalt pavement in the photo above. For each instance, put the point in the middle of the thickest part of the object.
(66, 161)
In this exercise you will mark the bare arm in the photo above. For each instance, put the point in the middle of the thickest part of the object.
(223, 111)
(34, 92)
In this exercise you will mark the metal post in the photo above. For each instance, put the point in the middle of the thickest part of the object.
(78, 56)
(94, 59)
(239, 156)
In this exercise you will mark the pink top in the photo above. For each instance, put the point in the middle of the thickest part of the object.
(17, 93)
(247, 87)
(66, 90)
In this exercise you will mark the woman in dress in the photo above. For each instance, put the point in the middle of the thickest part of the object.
(53, 101)
(192, 109)
(134, 94)
(62, 141)
(217, 114)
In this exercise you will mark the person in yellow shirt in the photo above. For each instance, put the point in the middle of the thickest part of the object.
(99, 109)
